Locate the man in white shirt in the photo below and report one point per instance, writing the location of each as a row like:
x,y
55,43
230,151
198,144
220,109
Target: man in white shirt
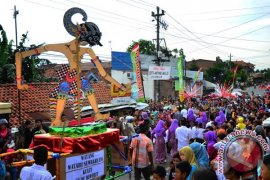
x,y
183,135
212,118
37,170
184,113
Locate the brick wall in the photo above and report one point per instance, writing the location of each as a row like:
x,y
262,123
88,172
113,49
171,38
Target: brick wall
x,y
37,99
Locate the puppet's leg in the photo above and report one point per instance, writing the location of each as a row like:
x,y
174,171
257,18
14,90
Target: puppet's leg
x,y
61,102
89,92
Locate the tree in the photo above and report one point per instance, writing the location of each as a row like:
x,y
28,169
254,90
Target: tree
x,y
7,69
149,48
33,66
146,47
223,72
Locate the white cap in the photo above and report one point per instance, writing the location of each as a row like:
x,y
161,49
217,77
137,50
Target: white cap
x,y
266,123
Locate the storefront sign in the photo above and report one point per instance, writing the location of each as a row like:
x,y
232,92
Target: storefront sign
x,y
159,72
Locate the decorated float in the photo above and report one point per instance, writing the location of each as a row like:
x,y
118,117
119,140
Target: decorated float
x,y
83,148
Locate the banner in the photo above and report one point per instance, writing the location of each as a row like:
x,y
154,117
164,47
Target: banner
x,y
180,75
117,92
159,73
135,59
234,75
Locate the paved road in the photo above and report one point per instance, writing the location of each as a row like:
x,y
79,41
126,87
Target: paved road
x,y
166,165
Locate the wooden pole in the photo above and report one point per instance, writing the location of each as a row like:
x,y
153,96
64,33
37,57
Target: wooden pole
x,y
78,78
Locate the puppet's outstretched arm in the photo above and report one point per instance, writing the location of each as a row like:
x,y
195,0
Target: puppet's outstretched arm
x,y
101,70
20,55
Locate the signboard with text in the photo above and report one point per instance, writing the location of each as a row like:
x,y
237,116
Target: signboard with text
x,y
83,166
159,72
117,92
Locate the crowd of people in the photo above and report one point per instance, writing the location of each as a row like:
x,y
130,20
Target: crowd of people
x,y
12,139
188,135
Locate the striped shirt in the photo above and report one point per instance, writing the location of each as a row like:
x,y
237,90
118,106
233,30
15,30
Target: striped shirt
x,y
141,145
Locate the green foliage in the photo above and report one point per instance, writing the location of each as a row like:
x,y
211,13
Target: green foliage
x,y
146,47
7,73
223,71
5,47
32,67
267,75
149,48
7,68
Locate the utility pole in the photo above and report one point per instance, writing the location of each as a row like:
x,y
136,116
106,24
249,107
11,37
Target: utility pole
x,y
15,13
157,17
230,60
15,17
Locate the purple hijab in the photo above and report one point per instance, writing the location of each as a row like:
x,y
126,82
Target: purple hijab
x,y
204,118
173,126
220,119
211,138
159,129
145,115
190,115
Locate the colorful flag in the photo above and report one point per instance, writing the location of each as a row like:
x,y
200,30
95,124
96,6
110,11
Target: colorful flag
x,y
234,74
181,80
197,75
135,59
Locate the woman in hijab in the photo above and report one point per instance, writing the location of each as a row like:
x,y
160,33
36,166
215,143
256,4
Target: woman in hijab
x,y
5,135
202,119
171,137
200,154
159,133
187,154
211,139
220,119
191,117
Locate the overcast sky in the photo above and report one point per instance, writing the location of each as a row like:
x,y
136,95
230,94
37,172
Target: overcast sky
x,y
203,28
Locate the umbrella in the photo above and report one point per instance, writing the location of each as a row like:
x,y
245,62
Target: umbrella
x,y
237,90
237,93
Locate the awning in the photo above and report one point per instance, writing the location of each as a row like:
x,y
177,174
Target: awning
x,y
5,108
104,108
209,85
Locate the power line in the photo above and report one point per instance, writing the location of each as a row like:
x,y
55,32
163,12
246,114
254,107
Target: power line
x,y
191,32
129,4
148,4
247,49
223,29
100,11
229,39
238,39
226,17
226,10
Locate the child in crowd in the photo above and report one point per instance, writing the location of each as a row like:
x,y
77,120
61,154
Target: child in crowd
x,y
187,154
159,173
204,173
176,160
182,170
